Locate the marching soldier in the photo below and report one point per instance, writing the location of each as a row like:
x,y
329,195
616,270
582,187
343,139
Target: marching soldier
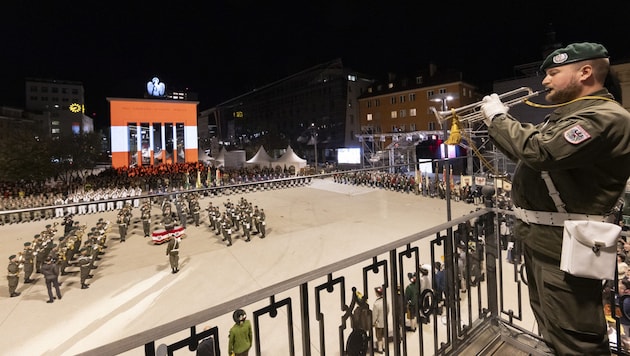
x,y
226,228
29,262
172,251
196,210
247,226
62,256
145,216
84,262
12,276
122,225
261,223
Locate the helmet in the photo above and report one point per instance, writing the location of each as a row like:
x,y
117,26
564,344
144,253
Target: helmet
x,y
239,315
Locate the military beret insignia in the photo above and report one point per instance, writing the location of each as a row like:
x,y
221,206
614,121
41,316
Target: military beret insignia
x,y
576,134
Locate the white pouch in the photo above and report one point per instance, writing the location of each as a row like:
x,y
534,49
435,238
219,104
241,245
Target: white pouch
x,y
589,249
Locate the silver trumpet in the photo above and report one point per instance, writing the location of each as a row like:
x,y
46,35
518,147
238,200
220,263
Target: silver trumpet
x,y
472,113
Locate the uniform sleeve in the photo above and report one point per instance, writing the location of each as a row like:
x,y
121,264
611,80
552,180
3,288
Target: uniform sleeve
x,y
567,143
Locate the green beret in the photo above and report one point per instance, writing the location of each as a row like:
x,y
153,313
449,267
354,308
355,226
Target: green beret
x,y
27,244
572,53
12,257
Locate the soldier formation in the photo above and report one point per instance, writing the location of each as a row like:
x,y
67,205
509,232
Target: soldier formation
x,y
242,217
65,249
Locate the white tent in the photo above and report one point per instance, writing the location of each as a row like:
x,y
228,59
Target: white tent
x,y
261,158
288,159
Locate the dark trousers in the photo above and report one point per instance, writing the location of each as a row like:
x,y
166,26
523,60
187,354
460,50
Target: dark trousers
x,y
569,310
50,283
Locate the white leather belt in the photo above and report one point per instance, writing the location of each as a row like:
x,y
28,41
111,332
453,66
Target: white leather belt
x,y
555,218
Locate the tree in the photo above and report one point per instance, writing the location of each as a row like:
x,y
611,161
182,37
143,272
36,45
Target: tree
x,y
75,156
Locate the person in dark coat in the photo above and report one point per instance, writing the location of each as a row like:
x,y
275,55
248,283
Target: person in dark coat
x,y
50,270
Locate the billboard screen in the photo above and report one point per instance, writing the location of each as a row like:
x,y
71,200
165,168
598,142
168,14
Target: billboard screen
x,y
349,156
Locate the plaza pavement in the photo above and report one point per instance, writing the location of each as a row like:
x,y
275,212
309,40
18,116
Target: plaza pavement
x,y
133,287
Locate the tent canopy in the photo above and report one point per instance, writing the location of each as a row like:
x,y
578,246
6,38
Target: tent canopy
x,y
289,158
261,158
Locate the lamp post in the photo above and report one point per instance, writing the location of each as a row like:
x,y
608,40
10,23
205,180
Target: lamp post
x,y
313,130
447,168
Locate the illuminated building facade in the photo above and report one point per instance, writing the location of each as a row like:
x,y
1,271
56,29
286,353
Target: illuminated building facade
x,y
152,131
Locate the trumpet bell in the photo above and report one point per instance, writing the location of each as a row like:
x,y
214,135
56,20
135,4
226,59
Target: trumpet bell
x,y
456,136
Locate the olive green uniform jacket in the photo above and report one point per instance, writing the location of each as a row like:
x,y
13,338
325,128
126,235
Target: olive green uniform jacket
x,y
585,147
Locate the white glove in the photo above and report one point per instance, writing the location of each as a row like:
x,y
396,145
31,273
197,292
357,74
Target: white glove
x,y
491,107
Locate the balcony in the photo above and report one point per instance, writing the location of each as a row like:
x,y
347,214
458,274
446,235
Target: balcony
x,y
485,310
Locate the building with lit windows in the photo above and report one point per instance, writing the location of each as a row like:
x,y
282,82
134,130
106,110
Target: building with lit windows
x,y
58,106
396,118
315,111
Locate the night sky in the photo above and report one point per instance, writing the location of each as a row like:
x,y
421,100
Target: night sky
x,y
224,49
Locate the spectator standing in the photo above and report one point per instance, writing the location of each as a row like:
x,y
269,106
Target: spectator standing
x,y
412,293
378,320
241,335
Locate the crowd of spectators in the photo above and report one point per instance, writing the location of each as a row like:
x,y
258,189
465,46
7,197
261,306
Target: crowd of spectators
x,y
116,183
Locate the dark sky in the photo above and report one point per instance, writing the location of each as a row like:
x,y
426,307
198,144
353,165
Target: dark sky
x,y
226,48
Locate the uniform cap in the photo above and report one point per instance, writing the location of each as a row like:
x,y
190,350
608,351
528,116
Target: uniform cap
x,y
572,53
26,244
12,257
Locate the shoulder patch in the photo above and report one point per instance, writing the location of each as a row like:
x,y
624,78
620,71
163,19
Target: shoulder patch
x,y
576,134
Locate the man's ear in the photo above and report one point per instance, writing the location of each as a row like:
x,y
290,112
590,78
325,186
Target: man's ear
x,y
585,72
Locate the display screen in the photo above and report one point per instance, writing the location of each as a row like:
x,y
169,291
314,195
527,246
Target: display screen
x,y
349,156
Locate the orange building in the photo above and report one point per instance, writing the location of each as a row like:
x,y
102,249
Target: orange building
x,y
153,131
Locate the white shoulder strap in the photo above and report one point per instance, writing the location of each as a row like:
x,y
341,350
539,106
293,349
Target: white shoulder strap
x,y
553,192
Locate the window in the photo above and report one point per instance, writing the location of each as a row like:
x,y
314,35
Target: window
x,y
412,127
402,99
369,117
430,94
442,90
33,89
54,90
419,80
431,126
394,114
412,97
44,90
75,91
412,112
402,113
377,102
369,104
392,100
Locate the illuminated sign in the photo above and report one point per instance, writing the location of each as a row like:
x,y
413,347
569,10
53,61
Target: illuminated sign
x,y
74,107
238,114
155,87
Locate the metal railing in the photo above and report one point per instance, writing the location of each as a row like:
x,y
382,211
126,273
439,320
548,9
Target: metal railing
x,y
318,312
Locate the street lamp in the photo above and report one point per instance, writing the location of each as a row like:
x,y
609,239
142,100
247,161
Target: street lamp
x,y
313,130
447,168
